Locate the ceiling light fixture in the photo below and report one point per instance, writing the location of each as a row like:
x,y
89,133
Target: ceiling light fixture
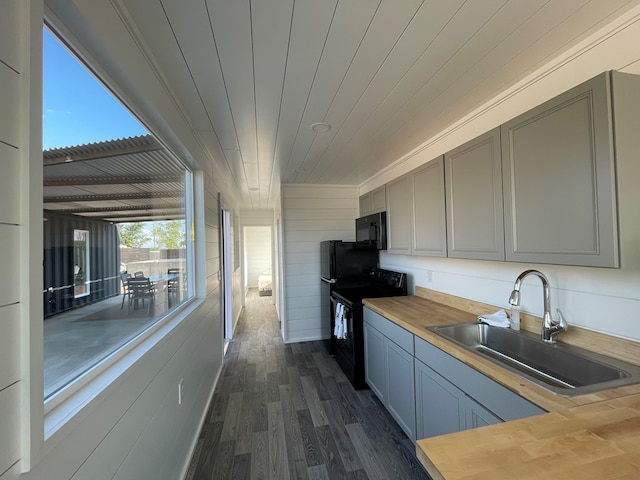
x,y
320,127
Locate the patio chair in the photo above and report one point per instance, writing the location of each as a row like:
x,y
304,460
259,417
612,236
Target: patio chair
x,y
124,280
140,288
173,286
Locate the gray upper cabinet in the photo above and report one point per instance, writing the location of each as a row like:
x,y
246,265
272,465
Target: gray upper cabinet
x,y
559,180
473,176
365,206
379,199
428,212
373,202
399,216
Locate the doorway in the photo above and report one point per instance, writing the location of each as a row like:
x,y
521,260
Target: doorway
x,y
258,271
226,276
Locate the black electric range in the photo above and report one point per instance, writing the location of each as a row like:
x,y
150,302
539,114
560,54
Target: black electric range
x,y
347,331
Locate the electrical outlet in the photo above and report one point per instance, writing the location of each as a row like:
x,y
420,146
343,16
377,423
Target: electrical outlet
x,y
429,276
180,391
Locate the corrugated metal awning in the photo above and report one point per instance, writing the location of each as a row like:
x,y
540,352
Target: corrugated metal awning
x,y
125,180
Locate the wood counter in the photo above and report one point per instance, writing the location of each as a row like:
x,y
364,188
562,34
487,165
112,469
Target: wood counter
x,y
584,436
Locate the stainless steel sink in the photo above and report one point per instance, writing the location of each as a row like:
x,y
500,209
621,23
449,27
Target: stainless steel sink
x,y
561,368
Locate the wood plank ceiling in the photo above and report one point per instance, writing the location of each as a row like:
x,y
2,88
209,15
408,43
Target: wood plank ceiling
x,y
252,76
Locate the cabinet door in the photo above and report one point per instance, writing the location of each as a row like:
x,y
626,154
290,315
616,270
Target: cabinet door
x,y
379,199
428,211
559,186
477,415
399,216
374,370
474,199
440,406
365,204
399,376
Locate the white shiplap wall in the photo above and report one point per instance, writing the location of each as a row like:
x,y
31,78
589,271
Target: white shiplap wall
x,y
14,150
311,214
264,220
257,256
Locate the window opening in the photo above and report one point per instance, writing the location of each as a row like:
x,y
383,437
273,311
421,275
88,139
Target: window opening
x,y
116,205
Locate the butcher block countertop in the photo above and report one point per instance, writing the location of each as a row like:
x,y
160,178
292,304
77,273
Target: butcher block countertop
x,y
594,436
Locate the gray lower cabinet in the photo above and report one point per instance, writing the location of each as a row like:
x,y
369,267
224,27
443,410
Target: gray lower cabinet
x,y
443,408
440,405
427,391
389,370
477,415
451,396
374,369
400,387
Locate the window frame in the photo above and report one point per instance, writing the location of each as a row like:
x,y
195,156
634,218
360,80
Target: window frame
x,y
45,424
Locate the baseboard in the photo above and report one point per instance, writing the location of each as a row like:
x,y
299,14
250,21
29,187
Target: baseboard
x,y
314,338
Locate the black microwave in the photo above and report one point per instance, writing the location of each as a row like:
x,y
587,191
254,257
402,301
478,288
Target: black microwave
x,y
371,231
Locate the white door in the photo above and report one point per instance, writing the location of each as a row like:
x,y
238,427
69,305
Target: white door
x,y
227,271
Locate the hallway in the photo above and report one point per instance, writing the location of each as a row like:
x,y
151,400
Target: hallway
x,y
287,412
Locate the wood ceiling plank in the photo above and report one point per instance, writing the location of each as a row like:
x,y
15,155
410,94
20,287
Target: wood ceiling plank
x,y
192,29
538,26
387,26
234,160
271,24
440,76
219,170
470,18
345,36
551,30
383,97
153,25
425,26
458,86
231,23
251,172
311,23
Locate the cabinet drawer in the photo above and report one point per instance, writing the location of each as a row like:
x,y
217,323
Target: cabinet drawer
x,y
393,332
500,400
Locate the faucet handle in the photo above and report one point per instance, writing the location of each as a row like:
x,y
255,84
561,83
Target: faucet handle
x,y
562,322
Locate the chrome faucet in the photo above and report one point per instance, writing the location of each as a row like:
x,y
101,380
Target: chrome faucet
x,y
550,328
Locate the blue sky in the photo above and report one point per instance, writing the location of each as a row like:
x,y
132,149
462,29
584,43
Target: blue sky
x,y
77,109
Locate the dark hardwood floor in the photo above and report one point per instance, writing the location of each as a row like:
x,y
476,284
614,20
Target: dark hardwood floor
x,y
288,412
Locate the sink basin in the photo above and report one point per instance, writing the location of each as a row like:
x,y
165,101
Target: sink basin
x,y
560,368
